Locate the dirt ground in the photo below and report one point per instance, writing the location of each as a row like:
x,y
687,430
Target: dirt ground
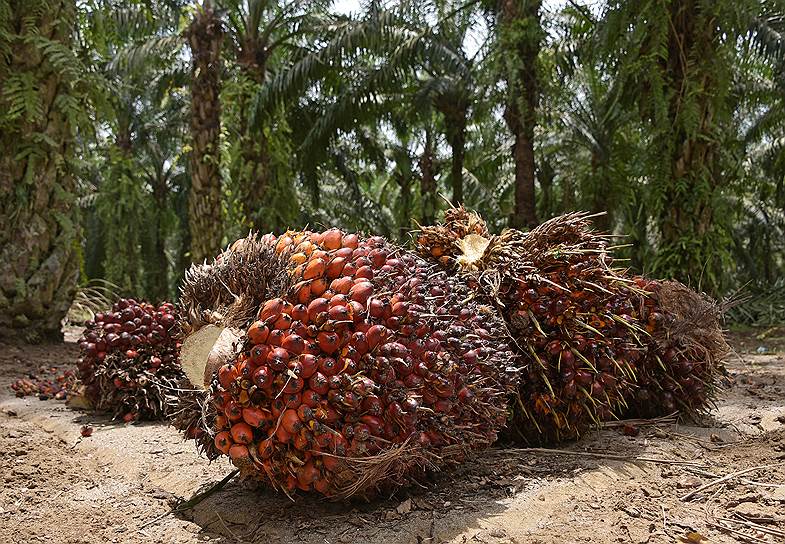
x,y
118,484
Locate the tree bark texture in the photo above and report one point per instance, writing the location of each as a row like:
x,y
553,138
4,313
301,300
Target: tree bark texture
x,y
39,234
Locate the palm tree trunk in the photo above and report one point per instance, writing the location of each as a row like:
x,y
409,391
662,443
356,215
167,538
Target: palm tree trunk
x,y
522,98
204,201
458,146
39,237
427,182
688,216
254,164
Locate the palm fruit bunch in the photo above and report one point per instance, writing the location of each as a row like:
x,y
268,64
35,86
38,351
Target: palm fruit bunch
x,y
373,368
582,326
47,383
128,362
686,347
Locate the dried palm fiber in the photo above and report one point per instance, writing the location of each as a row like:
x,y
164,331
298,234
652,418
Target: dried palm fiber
x,y
128,362
373,369
595,344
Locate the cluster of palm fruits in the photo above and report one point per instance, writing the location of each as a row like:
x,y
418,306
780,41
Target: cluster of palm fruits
x,y
128,362
595,343
685,347
48,383
373,368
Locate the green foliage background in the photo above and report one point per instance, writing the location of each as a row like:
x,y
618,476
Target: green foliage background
x,y
668,115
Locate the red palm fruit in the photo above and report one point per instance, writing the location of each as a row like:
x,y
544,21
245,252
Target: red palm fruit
x,y
301,441
226,375
362,432
259,354
242,433
290,422
400,309
283,243
326,414
338,299
311,398
277,359
360,343
378,258
254,416
292,400
293,344
276,337
300,312
372,405
258,332
365,272
349,269
265,448
335,268
302,291
330,462
341,285
332,239
361,292
376,308
345,252
262,377
375,335
328,366
283,322
305,413
309,364
317,306
298,258
221,422
233,411
293,385
314,269
328,342
318,287
319,384
322,486
272,307
356,311
339,313
282,435
374,424
223,441
350,241
239,455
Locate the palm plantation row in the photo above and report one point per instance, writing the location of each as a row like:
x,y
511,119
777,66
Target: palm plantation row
x,y
140,136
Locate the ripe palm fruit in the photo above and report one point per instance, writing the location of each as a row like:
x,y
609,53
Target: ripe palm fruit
x,y
364,388
581,326
129,361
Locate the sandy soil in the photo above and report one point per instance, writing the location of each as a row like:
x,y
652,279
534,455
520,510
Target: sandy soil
x,y
118,484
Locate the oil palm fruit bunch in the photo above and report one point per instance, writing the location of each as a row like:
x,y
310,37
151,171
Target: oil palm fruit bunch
x,y
683,363
128,362
373,368
582,327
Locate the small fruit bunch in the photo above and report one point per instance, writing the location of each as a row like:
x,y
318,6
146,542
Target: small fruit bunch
x,y
129,360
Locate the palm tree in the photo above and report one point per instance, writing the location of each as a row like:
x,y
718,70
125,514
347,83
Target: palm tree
x,y
520,36
205,39
42,104
261,35
676,58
